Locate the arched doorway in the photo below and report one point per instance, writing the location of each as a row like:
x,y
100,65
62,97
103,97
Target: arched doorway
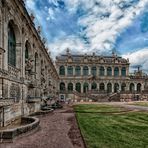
x,y
109,87
94,86
138,87
62,86
102,87
123,87
78,87
116,87
85,87
70,87
132,87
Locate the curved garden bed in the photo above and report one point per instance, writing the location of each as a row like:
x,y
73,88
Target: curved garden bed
x,y
27,124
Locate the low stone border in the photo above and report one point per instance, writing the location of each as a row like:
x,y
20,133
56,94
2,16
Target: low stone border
x,y
9,134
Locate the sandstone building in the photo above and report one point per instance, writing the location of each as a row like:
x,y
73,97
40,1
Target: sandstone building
x,y
98,75
27,73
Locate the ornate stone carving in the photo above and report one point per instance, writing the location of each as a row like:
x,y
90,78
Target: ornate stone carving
x,y
29,65
15,91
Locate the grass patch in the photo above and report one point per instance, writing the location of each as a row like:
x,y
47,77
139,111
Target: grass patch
x,y
140,104
95,108
129,130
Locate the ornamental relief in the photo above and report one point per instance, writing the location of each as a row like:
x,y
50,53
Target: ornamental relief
x,y
15,92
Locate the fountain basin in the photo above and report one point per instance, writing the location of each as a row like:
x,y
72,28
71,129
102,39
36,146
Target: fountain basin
x,y
7,134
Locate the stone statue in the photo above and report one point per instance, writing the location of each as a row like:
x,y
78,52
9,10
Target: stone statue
x,y
29,65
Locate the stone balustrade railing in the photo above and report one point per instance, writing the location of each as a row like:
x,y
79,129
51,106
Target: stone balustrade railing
x,y
3,72
13,71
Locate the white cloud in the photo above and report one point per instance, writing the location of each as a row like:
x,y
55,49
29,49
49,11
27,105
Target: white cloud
x,y
104,20
139,57
59,45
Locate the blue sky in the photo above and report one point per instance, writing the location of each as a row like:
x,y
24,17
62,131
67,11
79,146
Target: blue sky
x,y
99,26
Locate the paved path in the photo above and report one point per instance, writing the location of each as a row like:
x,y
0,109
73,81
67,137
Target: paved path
x,y
56,131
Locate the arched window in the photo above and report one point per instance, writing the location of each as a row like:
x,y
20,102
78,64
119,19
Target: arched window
x,y
123,86
85,70
94,71
109,87
85,87
78,87
70,70
94,86
116,71
62,86
132,87
116,87
78,71
138,87
11,46
109,71
70,87
62,70
123,71
102,87
102,71
26,51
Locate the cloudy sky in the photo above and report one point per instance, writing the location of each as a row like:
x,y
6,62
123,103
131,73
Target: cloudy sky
x,y
99,26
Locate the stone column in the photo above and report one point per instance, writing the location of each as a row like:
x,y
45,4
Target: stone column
x,y
127,86
119,71
142,86
66,70
89,70
74,70
81,70
81,87
119,86
112,71
89,86
105,71
105,86
112,87
97,71
127,71
135,87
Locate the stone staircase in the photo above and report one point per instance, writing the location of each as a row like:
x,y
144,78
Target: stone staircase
x,y
99,97
115,97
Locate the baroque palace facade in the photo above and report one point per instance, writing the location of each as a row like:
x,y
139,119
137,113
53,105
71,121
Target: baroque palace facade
x,y
98,75
27,72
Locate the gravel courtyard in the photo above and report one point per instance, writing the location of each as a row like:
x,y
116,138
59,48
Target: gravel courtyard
x,y
57,130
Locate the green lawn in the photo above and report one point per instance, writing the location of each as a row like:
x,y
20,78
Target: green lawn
x,y
140,104
103,130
